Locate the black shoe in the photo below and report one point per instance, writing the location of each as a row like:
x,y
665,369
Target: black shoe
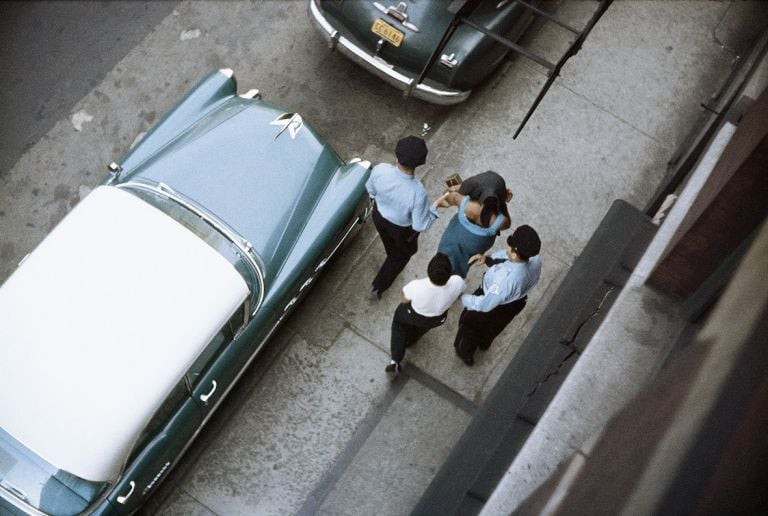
x,y
394,368
468,360
375,294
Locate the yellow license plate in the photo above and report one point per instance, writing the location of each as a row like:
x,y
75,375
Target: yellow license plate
x,y
388,32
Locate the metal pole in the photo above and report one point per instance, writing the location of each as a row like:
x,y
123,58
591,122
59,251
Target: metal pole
x,y
572,50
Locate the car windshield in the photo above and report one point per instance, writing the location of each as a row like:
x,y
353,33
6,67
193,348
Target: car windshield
x,y
204,231
27,477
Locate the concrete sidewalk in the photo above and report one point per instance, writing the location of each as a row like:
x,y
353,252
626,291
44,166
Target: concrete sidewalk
x,y
315,427
605,131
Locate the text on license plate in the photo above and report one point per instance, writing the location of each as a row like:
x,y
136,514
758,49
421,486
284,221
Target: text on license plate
x,y
387,32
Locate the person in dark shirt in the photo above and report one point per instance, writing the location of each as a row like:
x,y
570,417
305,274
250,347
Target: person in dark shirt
x,y
490,189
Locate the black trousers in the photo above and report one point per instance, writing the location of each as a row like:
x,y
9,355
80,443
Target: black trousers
x,y
408,326
400,243
478,329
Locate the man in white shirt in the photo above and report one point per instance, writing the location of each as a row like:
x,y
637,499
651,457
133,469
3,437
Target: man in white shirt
x,y
424,306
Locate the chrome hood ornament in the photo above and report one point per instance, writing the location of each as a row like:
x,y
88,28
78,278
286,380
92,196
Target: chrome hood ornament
x,y
290,121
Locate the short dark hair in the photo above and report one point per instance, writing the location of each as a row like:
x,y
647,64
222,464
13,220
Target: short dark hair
x,y
439,269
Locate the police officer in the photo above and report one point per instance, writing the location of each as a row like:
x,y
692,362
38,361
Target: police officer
x,y
402,208
511,275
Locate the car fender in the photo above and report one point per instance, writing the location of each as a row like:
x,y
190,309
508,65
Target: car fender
x,y
340,206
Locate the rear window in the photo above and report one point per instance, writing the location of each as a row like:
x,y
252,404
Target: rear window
x,y
27,477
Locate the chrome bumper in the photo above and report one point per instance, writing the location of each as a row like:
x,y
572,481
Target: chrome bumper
x,y
381,68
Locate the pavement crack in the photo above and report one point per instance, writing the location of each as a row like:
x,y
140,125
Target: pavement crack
x,y
594,312
552,373
569,344
716,39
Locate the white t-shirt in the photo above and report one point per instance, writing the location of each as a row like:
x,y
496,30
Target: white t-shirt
x,y
431,300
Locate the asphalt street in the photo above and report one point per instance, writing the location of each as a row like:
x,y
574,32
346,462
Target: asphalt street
x,y
315,427
54,53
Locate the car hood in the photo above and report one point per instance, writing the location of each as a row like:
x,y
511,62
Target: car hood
x,y
237,164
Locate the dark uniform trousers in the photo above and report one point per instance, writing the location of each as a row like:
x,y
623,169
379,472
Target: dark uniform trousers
x,y
478,329
408,326
400,243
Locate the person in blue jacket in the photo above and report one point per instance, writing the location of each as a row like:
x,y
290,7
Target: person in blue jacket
x,y
511,275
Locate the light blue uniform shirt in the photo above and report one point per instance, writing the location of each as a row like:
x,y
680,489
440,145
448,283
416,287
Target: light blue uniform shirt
x,y
504,282
400,197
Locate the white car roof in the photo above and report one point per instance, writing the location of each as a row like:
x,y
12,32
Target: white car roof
x,y
99,323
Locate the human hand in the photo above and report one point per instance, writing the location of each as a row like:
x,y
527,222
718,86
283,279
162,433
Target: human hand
x,y
476,259
442,201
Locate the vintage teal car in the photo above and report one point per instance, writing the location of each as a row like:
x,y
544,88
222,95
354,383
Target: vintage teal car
x,y
412,44
123,330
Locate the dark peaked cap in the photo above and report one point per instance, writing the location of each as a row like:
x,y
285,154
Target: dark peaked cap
x,y
526,241
411,151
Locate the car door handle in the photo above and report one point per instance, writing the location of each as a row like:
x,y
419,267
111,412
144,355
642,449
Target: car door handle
x,y
205,397
123,499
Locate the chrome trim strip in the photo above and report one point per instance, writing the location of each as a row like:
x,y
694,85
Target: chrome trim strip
x,y
18,503
242,244
343,239
381,68
314,9
380,7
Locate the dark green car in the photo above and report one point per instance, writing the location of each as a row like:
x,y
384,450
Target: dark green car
x,y
124,329
411,44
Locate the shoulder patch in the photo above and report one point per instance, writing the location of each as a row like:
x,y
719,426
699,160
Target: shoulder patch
x,y
494,289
